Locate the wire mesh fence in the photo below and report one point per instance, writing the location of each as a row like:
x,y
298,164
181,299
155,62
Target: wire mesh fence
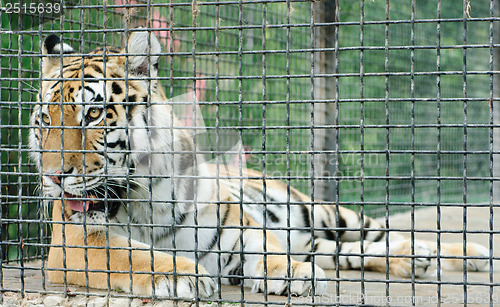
x,y
235,134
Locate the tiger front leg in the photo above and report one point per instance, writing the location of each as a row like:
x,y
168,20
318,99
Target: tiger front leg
x,y
86,262
144,278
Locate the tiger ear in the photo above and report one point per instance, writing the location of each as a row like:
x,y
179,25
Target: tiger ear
x,y
53,45
144,48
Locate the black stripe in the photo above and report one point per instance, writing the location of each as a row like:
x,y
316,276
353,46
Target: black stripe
x,y
116,88
121,143
343,225
72,63
308,243
313,250
98,98
349,265
366,225
92,79
69,68
329,234
161,233
305,216
97,68
231,255
113,50
209,247
54,85
237,271
131,98
379,237
88,88
272,216
180,219
95,57
224,218
348,262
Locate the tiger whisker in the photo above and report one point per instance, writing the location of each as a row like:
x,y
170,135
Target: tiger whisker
x,y
125,186
104,194
139,185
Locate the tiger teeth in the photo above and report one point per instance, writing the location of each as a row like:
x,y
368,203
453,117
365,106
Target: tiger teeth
x,y
93,201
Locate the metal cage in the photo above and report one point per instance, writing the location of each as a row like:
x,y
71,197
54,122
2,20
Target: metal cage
x,y
388,108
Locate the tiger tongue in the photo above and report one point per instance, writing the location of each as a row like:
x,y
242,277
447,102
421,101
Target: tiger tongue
x,y
77,205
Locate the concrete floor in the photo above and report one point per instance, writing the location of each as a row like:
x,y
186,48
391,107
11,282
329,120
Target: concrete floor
x,y
482,287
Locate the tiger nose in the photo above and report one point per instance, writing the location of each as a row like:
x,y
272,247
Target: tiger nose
x,y
55,177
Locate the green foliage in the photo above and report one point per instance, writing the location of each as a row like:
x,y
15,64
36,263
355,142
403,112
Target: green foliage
x,y
424,109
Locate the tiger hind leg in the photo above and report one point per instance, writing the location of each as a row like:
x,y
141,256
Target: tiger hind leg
x,y
453,253
452,256
395,257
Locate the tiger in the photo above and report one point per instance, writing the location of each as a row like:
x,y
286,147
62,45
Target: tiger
x,y
136,208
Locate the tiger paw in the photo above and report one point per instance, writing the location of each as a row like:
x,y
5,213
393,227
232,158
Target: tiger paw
x,y
403,267
474,250
301,283
185,285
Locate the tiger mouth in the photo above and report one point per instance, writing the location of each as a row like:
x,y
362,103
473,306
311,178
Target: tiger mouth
x,y
79,205
83,204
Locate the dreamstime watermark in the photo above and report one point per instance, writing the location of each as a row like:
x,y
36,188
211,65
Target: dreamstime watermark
x,y
350,298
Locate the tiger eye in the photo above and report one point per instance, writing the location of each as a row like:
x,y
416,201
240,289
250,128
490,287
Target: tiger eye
x,y
46,118
94,113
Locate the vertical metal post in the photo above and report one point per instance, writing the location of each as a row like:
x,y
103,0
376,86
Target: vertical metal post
x,y
325,163
496,107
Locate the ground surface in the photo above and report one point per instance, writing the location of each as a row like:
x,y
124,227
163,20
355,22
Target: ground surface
x,y
483,288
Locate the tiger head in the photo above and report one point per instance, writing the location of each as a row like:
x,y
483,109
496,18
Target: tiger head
x,y
92,114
